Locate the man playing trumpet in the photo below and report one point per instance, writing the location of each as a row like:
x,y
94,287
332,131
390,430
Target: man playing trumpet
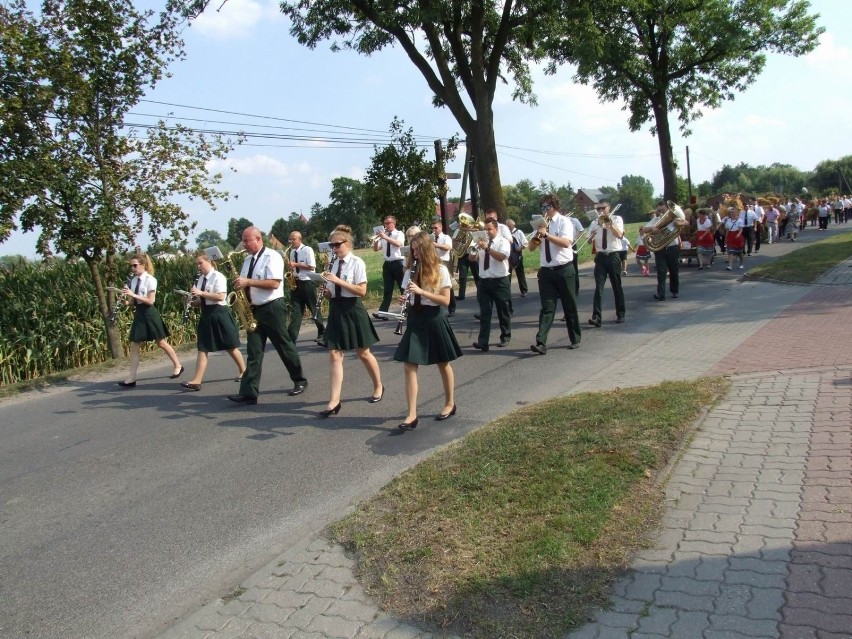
x,y
607,232
555,240
390,242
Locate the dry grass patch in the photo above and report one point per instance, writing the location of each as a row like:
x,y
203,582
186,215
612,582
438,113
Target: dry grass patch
x,y
518,530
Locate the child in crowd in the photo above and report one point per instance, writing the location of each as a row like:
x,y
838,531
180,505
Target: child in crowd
x,y
642,254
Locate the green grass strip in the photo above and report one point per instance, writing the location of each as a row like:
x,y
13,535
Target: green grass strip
x,y
809,262
519,529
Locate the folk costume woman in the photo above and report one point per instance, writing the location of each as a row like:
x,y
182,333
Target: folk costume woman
x,y
147,324
428,337
217,329
734,238
348,327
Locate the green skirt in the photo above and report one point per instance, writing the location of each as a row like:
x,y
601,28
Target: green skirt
x,y
217,330
349,327
428,338
147,325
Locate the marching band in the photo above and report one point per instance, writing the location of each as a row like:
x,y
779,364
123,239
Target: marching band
x,y
422,271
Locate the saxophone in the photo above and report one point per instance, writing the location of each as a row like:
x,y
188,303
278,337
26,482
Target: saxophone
x,y
289,277
237,298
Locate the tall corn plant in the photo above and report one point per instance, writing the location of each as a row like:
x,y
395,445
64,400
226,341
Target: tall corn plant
x,y
51,320
68,76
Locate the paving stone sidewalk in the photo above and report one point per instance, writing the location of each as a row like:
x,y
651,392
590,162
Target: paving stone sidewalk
x,y
757,538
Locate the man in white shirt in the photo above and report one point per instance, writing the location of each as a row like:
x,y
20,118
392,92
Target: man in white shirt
x,y
748,218
304,296
443,247
493,289
555,243
608,246
262,277
390,242
667,258
516,257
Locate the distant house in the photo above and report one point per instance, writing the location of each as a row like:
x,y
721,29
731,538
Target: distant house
x,y
453,209
585,199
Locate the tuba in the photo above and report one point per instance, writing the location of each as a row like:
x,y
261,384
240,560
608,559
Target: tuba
x,y
462,237
659,237
237,298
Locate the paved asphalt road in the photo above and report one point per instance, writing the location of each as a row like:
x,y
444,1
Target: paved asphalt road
x,y
123,510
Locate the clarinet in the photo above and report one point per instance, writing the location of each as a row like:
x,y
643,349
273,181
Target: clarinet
x,y
190,298
403,311
321,289
119,301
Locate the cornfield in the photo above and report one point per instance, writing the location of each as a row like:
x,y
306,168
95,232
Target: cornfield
x,y
50,319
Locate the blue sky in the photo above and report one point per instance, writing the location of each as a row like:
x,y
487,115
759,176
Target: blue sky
x,y
242,59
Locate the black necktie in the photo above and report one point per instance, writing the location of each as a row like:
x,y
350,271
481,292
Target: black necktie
x,y
338,290
254,259
547,256
487,261
387,248
603,241
296,259
136,291
203,287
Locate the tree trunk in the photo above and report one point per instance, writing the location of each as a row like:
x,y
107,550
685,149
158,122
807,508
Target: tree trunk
x,y
113,338
487,166
664,139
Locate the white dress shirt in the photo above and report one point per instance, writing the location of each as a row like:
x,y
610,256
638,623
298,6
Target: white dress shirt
x,y
305,255
268,266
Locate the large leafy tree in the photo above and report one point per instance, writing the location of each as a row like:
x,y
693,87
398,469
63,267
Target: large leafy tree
x,y
347,205
667,57
72,171
636,196
401,180
462,49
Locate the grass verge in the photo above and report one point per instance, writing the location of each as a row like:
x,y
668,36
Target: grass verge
x,y
519,529
809,262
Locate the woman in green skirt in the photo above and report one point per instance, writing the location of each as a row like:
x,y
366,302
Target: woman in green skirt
x,y
147,324
217,329
428,337
348,327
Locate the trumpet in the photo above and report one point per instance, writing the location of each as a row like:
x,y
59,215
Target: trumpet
x,y
377,236
534,239
119,300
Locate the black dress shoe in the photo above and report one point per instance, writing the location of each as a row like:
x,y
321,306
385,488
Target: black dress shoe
x,y
573,346
539,348
658,298
176,375
503,343
675,295
451,313
243,399
444,416
481,347
619,319
127,384
298,389
191,386
330,411
409,425
476,316
375,399
379,317
595,321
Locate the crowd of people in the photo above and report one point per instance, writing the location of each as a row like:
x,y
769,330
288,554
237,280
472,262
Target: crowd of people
x,y
418,264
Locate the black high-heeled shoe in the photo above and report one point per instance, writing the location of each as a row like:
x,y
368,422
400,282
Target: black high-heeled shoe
x,y
377,399
330,411
444,416
409,425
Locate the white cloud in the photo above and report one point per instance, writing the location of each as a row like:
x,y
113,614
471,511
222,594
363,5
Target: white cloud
x,y
234,19
829,53
265,166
